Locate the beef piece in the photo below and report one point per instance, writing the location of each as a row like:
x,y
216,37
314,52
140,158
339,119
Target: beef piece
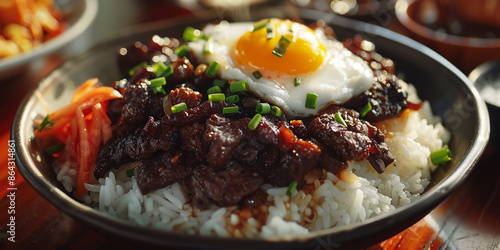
x,y
191,139
223,188
190,97
162,170
183,71
386,97
197,114
356,142
134,54
297,158
222,136
137,146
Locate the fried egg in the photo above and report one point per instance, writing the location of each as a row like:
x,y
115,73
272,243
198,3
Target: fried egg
x,y
323,65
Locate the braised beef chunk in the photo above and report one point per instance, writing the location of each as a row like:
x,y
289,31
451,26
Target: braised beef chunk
x,y
386,97
191,140
225,187
354,142
137,146
137,104
186,95
223,137
162,170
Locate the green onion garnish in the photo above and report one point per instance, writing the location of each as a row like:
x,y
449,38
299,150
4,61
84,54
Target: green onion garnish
x,y
441,156
281,47
297,81
160,81
130,172
208,48
270,33
179,107
191,34
54,149
291,188
168,71
263,108
257,74
367,108
232,99
276,111
212,69
159,89
238,86
217,97
213,90
260,26
339,119
220,83
159,68
230,110
311,99
44,123
182,51
252,125
132,70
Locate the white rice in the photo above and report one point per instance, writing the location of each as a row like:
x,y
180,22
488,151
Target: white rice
x,y
355,196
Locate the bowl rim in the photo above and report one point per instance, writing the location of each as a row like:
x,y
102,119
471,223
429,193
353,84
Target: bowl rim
x,y
401,10
100,221
83,21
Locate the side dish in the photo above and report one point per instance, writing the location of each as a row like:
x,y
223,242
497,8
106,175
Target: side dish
x,y
25,24
247,130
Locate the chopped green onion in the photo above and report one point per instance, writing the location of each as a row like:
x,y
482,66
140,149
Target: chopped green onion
x,y
208,48
270,33
291,188
252,125
212,69
339,119
232,99
220,83
44,123
263,108
230,110
182,51
214,89
159,89
132,70
54,149
179,107
276,111
281,47
130,172
191,34
367,108
238,86
168,71
440,156
311,99
217,97
297,81
260,26
160,81
257,74
159,68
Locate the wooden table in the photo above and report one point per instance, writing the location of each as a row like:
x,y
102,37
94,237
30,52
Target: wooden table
x,y
468,219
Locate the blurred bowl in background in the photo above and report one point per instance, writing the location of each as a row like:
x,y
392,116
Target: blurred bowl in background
x,y
467,33
486,79
77,17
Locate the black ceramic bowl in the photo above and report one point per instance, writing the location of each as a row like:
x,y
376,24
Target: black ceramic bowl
x,y
450,93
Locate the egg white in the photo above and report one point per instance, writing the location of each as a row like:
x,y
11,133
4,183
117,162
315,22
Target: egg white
x,y
341,76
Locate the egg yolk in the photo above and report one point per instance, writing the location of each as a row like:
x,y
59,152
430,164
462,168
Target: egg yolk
x,y
304,54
